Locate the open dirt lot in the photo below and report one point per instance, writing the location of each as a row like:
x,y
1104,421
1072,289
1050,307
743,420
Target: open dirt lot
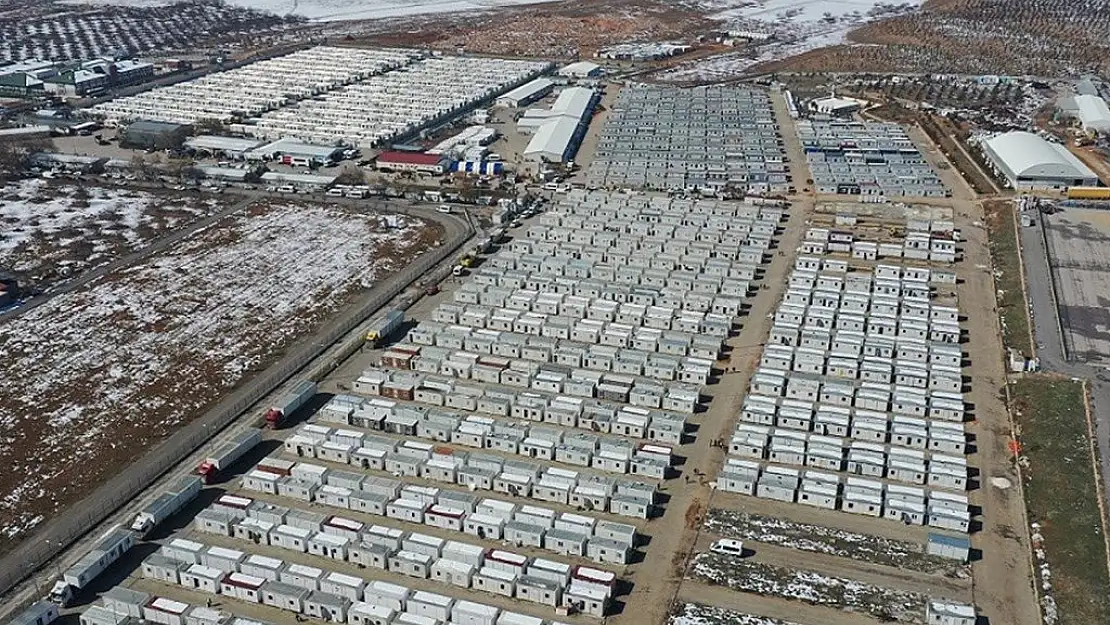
x,y
554,29
50,232
1078,241
95,376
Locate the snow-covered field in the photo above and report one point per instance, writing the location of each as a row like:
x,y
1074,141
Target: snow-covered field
x,y
810,587
94,377
798,26
697,614
49,232
334,10
827,540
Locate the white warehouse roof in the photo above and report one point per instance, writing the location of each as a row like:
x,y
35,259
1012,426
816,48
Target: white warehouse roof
x,y
1025,155
226,144
573,102
581,68
552,139
1092,112
528,89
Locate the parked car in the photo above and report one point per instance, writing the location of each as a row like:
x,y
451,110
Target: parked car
x,y
728,547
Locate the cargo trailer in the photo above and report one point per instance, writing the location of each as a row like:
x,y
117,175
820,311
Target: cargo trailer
x,y
113,544
289,403
227,454
381,328
183,491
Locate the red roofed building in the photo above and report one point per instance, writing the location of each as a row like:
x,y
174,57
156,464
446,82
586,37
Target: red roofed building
x,y
411,161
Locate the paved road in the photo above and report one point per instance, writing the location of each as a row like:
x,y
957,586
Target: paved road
x,y
1051,350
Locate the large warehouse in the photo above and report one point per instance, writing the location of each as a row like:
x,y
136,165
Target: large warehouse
x,y
1030,162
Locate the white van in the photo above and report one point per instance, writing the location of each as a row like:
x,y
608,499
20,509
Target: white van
x,y
288,188
335,192
728,547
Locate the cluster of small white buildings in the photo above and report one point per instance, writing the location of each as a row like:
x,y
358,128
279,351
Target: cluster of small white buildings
x,y
256,88
559,360
651,51
491,470
929,241
331,595
537,527
376,111
599,448
468,145
857,402
294,586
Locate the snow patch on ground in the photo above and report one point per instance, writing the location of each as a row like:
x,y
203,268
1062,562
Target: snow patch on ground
x,y
336,10
798,26
826,540
52,231
92,378
811,587
698,614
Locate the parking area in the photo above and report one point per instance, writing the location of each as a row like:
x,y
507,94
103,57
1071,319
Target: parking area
x,y
1076,247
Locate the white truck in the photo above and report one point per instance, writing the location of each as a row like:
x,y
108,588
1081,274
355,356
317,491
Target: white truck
x,y
113,544
227,454
167,504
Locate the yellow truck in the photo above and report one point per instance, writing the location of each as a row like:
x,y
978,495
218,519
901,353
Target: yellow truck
x,y
1089,193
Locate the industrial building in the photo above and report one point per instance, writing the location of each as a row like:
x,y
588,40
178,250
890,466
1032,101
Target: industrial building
x,y
556,141
527,93
573,103
866,159
1089,109
836,106
21,85
234,148
580,69
293,152
642,51
560,131
1030,162
425,163
98,75
704,138
153,135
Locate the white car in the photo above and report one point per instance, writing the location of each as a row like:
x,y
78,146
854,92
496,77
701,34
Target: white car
x,y
443,208
728,547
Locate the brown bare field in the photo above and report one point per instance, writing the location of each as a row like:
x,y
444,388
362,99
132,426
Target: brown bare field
x,y
97,376
557,30
1015,37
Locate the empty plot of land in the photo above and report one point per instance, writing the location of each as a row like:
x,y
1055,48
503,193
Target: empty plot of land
x,y
809,587
49,232
826,540
95,377
698,614
1078,248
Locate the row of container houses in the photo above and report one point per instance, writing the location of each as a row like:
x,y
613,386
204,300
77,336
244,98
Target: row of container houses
x,y
464,565
861,375
489,469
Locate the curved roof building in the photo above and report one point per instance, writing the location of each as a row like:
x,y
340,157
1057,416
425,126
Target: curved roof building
x,y
1030,162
